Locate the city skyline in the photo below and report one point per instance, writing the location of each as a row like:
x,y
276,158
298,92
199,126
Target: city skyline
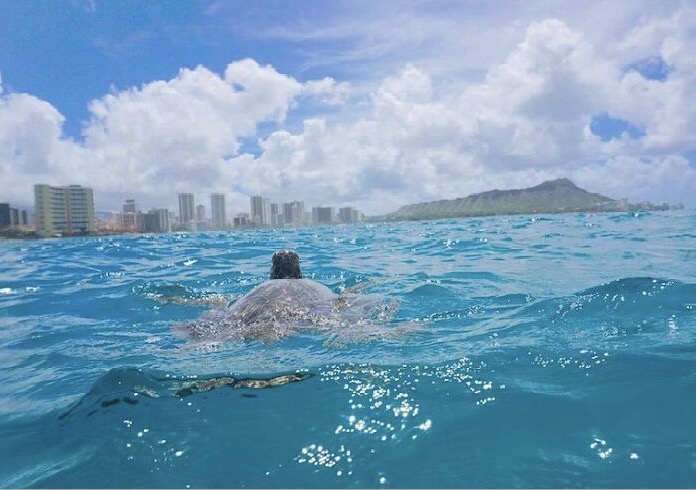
x,y
150,204
70,210
262,213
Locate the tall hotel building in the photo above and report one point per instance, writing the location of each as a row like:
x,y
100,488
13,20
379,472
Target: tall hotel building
x,y
186,208
64,210
260,210
217,210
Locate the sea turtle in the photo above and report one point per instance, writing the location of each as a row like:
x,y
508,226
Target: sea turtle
x,y
285,304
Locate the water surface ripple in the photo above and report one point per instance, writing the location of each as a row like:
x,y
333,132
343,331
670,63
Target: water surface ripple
x,y
525,351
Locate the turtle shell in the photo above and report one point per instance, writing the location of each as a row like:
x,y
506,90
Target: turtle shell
x,y
283,299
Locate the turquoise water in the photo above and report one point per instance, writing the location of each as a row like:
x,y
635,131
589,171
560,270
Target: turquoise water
x,y
546,351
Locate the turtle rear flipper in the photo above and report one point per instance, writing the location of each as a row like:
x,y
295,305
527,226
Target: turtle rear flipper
x,y
187,388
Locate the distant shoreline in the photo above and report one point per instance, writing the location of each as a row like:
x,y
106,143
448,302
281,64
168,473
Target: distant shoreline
x,y
12,235
628,209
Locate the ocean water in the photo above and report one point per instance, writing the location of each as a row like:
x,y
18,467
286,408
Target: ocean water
x,y
524,351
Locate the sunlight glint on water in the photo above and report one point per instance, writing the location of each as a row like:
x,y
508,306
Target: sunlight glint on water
x,y
545,351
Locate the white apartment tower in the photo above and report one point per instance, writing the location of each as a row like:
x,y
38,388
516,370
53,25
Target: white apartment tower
x,y
186,208
64,210
163,218
217,209
260,210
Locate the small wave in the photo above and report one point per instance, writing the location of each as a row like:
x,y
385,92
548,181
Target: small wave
x,y
629,216
631,314
472,275
635,295
429,290
176,293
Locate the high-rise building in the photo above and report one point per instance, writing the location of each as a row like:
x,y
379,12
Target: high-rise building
x,y
156,221
349,215
5,219
217,210
64,210
200,212
23,218
323,215
129,206
260,210
241,220
294,212
129,219
344,215
151,222
186,208
164,221
277,216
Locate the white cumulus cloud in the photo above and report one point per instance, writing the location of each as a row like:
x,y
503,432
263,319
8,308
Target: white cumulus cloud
x,y
411,135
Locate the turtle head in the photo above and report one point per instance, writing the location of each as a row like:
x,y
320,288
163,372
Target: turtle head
x,y
286,265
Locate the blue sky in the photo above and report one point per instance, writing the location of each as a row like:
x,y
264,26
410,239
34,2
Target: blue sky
x,y
367,103
69,53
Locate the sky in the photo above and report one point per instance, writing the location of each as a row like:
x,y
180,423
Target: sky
x,y
365,103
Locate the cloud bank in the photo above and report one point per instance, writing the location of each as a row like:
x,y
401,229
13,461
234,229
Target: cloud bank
x,y
413,135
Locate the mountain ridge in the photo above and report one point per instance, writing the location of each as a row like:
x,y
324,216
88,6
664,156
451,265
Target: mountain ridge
x,y
551,196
